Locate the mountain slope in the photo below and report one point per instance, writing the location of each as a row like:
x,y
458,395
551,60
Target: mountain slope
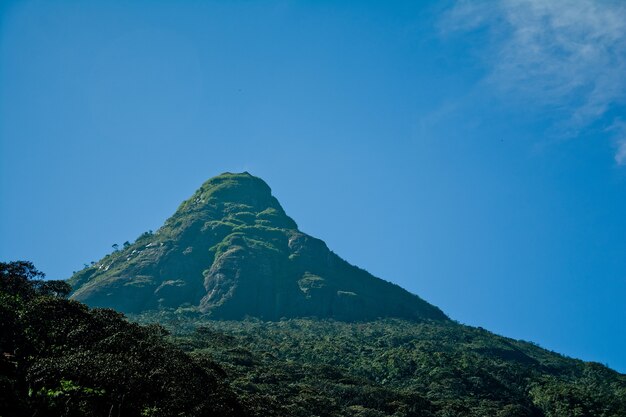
x,y
231,251
394,368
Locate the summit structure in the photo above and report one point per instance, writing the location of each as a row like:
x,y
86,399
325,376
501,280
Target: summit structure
x,y
231,251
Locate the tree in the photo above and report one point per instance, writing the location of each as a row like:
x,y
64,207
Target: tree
x,y
58,358
16,278
54,288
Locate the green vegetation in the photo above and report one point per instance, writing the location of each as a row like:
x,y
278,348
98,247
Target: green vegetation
x,y
230,251
394,367
59,358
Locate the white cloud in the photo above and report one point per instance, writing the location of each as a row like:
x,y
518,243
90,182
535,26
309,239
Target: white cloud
x,y
564,56
618,129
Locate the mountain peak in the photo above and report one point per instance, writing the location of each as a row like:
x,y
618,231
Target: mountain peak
x,y
236,196
230,251
236,180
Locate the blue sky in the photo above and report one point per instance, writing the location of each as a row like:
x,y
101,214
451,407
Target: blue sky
x,y
472,152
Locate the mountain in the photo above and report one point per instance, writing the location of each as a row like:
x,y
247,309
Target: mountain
x,y
231,251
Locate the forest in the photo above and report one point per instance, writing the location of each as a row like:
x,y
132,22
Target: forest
x,y
61,358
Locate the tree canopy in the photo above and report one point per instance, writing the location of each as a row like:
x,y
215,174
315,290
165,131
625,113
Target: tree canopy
x,y
60,358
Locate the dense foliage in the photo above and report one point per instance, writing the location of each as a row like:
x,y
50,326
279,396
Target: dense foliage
x,y
395,368
59,358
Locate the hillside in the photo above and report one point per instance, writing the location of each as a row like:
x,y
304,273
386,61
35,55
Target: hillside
x,y
231,251
60,358
395,367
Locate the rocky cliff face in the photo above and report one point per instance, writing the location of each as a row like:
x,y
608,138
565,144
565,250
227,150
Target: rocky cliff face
x,y
231,251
